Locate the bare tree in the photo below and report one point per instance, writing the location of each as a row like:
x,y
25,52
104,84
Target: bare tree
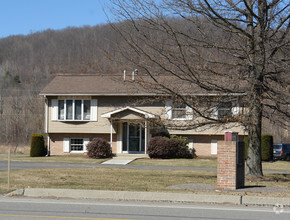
x,y
233,48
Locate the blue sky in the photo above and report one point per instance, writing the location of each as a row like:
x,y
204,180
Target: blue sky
x,y
29,16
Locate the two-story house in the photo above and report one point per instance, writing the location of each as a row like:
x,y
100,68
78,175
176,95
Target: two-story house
x,y
79,108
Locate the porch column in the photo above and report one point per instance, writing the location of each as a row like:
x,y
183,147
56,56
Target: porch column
x,y
111,134
145,136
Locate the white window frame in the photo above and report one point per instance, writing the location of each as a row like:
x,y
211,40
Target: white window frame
x,y
67,145
71,145
182,109
224,108
169,108
73,110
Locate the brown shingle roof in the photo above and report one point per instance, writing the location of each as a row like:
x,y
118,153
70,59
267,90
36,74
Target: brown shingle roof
x,y
89,85
115,85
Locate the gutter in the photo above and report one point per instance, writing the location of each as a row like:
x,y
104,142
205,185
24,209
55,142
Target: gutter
x,y
46,126
141,94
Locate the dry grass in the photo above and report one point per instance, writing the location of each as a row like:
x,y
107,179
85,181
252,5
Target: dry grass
x,y
22,150
277,165
126,179
55,159
104,179
206,163
273,180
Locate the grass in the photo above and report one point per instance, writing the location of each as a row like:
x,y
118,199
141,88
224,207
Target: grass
x,y
103,179
121,179
277,165
206,163
55,159
129,179
198,162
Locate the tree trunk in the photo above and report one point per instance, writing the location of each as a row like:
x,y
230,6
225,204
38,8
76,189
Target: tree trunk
x,y
254,160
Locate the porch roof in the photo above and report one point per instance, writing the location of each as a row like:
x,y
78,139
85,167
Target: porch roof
x,y
135,110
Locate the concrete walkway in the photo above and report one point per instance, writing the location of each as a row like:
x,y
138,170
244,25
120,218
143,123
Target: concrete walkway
x,y
152,196
124,159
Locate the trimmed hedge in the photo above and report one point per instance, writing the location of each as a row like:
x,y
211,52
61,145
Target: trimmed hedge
x,y
168,148
99,148
266,147
37,146
246,146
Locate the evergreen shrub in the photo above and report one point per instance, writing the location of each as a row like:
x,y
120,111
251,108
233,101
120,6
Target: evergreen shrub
x,y
99,148
167,148
266,147
246,146
37,147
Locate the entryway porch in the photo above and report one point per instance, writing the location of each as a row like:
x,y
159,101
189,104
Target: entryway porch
x,y
132,129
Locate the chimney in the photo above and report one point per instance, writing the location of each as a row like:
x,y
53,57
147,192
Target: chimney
x,y
133,74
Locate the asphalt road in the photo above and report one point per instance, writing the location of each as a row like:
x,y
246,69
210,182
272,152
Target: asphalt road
x,y
43,209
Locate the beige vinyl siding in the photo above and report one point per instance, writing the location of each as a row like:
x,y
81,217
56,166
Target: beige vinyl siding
x,y
108,104
210,130
99,125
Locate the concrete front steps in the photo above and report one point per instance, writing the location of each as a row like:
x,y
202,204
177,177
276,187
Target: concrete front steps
x,y
124,159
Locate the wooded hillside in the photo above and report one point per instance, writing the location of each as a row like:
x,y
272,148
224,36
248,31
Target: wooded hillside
x,y
28,63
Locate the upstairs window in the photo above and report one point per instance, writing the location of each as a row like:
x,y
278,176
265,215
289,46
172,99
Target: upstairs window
x,y
179,111
224,111
74,109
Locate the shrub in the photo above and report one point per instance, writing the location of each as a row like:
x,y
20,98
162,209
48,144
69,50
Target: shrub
x,y
165,148
37,147
266,147
184,151
246,146
155,147
162,133
99,148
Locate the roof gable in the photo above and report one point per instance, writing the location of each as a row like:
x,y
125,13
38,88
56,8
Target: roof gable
x,y
129,109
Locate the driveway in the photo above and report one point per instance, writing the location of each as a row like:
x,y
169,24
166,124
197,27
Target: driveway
x,y
17,165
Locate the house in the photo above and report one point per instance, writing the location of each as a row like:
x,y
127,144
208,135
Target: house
x,y
79,108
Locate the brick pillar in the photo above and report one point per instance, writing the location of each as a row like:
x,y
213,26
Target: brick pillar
x,y
226,165
230,169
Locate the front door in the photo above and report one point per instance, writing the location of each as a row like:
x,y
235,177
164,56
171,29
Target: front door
x,y
133,138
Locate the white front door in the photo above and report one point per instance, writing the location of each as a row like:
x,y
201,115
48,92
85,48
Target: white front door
x,y
133,138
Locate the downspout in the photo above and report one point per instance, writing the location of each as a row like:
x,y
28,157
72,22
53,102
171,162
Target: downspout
x,y
46,126
111,134
145,137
